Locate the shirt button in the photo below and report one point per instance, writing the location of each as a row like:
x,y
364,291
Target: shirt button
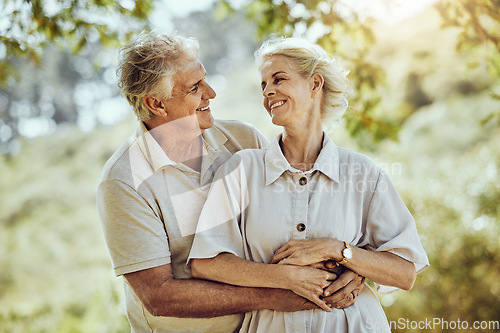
x,y
303,181
301,227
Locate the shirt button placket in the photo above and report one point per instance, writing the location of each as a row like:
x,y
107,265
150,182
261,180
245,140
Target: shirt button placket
x,y
301,205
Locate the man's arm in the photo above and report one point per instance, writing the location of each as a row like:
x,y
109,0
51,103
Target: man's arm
x,y
163,295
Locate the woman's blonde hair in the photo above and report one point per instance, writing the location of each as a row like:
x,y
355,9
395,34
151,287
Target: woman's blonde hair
x,y
309,59
148,64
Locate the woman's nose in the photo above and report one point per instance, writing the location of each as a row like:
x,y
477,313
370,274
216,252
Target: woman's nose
x,y
268,91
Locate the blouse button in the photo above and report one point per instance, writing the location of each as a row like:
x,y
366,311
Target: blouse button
x,y
301,227
303,181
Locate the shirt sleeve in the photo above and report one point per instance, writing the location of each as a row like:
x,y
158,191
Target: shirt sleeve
x,y
390,227
134,234
218,228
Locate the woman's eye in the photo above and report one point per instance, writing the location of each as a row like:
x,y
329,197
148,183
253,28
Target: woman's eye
x,y
278,80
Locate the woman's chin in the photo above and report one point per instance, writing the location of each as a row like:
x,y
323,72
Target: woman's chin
x,y
277,120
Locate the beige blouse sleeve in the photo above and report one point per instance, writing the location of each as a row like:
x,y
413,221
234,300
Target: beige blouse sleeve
x,y
218,228
391,227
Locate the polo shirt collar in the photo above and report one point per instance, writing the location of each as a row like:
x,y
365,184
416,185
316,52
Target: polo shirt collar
x,y
151,149
327,162
213,139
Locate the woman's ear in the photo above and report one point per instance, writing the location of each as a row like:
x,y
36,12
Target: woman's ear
x,y
317,83
155,105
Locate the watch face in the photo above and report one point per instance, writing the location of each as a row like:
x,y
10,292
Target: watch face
x,y
347,253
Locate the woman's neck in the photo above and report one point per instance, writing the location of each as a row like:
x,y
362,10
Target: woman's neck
x,y
301,147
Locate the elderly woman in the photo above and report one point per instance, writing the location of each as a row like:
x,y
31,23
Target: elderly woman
x,y
304,201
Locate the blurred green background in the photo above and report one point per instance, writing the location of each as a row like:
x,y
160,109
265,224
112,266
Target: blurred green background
x,y
425,104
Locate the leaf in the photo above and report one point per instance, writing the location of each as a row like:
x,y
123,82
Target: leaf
x,y
223,9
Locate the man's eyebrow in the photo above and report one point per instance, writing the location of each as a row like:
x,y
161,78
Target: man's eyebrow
x,y
190,87
196,84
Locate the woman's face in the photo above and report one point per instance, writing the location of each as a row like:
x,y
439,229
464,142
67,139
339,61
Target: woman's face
x,y
288,95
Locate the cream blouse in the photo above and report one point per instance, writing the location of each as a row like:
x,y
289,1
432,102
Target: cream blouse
x,y
258,202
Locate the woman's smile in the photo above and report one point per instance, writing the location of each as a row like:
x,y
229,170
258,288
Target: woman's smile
x,y
276,105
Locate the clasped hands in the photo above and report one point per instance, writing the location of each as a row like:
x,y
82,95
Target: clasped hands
x,y
312,273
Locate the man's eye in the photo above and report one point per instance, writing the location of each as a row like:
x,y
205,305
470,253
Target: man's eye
x,y
278,80
195,89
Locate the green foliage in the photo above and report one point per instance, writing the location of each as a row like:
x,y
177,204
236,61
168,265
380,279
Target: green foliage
x,y
478,20
451,187
223,10
34,25
345,36
56,275
350,38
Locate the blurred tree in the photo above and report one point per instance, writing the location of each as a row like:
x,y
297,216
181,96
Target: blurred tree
x,y
479,21
30,26
343,32
53,60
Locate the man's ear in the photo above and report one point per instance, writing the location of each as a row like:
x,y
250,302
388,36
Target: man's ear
x,y
317,81
156,106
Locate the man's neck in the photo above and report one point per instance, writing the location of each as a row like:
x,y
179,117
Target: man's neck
x,y
181,140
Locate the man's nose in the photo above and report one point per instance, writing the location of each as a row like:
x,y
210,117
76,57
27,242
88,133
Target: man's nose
x,y
208,93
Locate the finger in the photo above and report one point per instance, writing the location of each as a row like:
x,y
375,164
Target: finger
x,y
342,281
297,261
284,247
307,305
330,264
289,261
339,304
318,265
331,276
347,301
319,302
344,296
350,299
278,256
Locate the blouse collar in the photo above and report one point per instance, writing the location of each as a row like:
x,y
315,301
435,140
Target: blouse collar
x,y
327,162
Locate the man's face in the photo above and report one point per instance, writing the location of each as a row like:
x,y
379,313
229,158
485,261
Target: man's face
x,y
191,95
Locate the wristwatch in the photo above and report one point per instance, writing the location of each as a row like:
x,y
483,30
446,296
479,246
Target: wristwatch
x,y
346,254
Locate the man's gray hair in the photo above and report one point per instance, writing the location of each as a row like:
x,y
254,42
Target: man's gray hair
x,y
148,64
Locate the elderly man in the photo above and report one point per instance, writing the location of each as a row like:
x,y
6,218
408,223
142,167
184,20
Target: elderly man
x,y
154,186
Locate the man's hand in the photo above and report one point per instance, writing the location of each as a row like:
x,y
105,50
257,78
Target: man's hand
x,y
343,292
288,301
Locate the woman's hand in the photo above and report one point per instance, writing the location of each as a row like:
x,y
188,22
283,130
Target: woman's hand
x,y
308,251
308,282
